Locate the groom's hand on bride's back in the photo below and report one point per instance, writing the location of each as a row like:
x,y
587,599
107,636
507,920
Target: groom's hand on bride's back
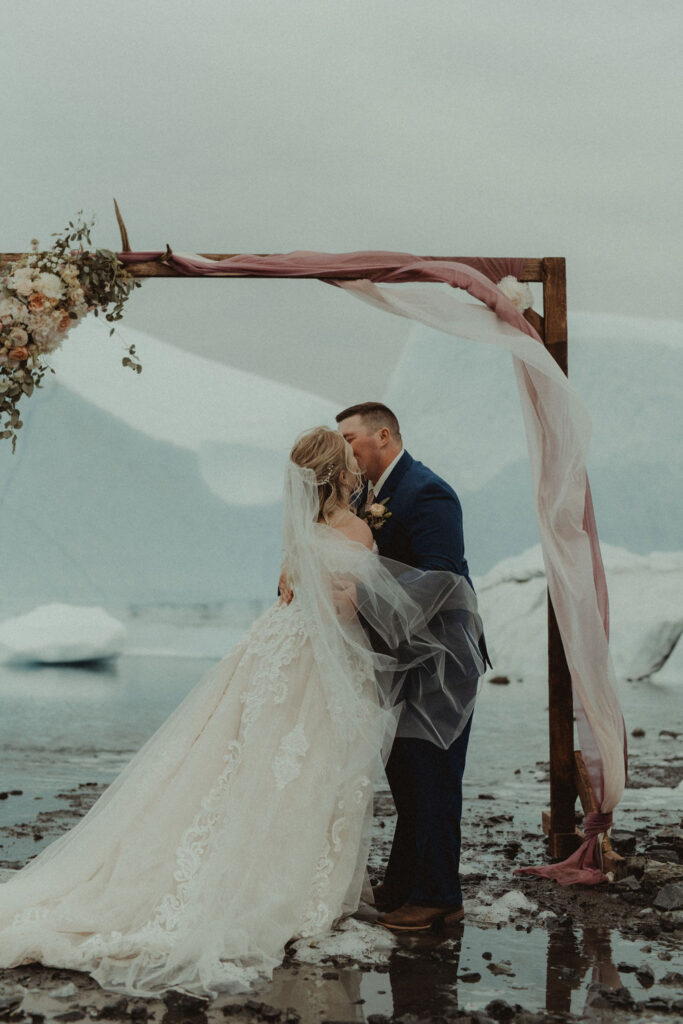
x,y
284,589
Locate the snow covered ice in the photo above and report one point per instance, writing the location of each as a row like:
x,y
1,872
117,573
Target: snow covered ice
x,y
61,633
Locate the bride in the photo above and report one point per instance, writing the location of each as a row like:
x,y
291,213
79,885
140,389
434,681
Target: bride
x,y
243,822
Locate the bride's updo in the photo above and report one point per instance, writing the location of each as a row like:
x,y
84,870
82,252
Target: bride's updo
x,y
330,457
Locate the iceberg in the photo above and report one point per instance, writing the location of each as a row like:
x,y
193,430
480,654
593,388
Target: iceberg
x,y
56,633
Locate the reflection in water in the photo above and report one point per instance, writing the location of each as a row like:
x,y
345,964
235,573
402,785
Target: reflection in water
x,y
569,961
420,979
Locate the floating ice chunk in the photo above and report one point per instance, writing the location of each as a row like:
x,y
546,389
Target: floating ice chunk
x,y
356,940
512,904
61,633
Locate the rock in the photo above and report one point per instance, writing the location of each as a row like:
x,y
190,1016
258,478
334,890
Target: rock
x,y
638,733
602,997
487,955
670,897
628,884
69,1015
378,1018
118,1010
499,1010
672,978
469,977
499,680
672,921
668,734
623,842
486,796
503,967
624,968
646,976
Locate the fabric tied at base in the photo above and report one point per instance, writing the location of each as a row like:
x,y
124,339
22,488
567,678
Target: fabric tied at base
x,y
584,866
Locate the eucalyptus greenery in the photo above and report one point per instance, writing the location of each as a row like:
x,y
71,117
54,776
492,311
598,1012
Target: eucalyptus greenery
x,y
42,295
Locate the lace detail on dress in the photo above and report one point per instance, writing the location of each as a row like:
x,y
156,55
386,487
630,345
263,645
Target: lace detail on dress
x,y
287,763
319,913
274,640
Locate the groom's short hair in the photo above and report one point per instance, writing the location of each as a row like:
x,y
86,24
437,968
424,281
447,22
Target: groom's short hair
x,y
374,416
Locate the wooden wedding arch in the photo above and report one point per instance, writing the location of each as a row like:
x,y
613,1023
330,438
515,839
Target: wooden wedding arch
x,y
568,777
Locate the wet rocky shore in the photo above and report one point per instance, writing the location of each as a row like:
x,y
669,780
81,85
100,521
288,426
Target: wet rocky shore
x,y
529,950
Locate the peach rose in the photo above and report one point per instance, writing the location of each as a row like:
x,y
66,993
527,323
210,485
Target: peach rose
x,y
20,354
36,301
65,323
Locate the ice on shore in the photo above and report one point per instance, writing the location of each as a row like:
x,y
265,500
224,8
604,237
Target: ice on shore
x,y
646,614
61,633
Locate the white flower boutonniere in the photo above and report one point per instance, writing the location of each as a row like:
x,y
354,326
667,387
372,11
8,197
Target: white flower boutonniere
x,y
377,514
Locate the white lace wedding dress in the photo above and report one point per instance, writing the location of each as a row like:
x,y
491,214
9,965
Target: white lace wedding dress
x,y
242,823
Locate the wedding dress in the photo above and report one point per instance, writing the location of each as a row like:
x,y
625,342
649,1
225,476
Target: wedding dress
x,y
243,822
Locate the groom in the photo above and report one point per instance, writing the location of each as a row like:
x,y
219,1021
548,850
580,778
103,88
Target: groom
x,y
421,884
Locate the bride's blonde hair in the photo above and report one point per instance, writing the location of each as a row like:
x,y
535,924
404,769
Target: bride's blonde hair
x,y
329,456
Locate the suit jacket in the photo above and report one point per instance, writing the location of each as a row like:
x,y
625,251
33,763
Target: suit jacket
x,y
425,527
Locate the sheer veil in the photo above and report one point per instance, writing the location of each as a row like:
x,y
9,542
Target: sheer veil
x,y
416,632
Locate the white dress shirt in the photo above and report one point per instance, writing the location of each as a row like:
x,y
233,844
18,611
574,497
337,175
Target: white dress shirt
x,y
376,488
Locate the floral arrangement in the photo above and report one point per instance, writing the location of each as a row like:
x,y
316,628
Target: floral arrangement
x,y
518,292
42,296
377,514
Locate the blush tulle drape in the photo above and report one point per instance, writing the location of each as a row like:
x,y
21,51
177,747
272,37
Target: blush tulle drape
x,y
558,431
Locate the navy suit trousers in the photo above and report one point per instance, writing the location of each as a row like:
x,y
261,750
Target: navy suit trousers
x,y
426,784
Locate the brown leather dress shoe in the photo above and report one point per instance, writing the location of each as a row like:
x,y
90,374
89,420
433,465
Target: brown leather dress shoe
x,y
411,918
384,901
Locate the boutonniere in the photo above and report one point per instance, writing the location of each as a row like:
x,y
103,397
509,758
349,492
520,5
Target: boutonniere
x,y
377,514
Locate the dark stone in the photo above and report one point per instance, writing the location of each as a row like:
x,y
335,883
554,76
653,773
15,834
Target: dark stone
x,y
20,792
486,796
487,956
626,968
638,733
231,1009
511,849
114,1011
623,842
499,1009
628,884
499,680
657,1003
469,977
377,1018
3,796
669,734
138,1013
330,975
670,897
664,854
501,968
672,978
646,976
602,997
69,1015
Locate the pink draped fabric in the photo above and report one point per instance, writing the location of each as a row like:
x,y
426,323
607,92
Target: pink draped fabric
x,y
558,430
585,864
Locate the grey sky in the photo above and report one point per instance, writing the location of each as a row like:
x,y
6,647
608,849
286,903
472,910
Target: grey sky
x,y
479,128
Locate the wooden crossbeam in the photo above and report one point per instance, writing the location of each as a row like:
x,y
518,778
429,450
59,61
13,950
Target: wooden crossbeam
x,y
532,270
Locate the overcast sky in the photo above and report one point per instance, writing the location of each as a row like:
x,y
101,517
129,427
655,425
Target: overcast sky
x,y
534,128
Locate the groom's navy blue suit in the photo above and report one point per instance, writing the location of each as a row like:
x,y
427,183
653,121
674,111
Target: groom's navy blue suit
x,y
424,531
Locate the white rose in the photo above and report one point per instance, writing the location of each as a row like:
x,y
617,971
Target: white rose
x,y
22,281
12,308
518,292
50,286
377,510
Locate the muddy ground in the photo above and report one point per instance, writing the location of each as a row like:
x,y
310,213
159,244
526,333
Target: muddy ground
x,y
528,951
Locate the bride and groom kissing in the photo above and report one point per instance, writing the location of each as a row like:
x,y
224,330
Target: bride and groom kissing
x,y
243,822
